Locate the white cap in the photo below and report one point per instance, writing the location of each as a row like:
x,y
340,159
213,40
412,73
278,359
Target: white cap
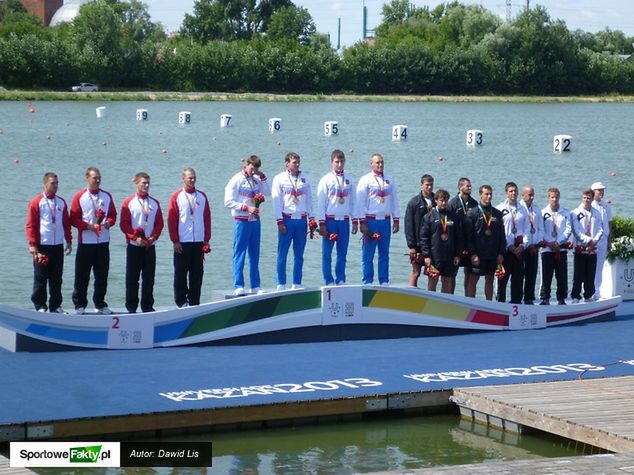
x,y
597,185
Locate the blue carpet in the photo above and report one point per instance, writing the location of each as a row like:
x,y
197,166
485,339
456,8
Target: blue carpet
x,y
77,384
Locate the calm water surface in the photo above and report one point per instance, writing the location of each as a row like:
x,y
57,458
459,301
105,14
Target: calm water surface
x,y
359,447
66,137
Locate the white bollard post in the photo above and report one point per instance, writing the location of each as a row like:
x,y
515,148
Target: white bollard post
x,y
225,120
275,124
141,114
184,117
331,127
474,138
399,132
561,143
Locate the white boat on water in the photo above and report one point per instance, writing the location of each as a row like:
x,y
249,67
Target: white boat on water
x,y
320,314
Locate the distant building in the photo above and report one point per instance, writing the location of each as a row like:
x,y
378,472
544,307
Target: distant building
x,y
45,9
68,12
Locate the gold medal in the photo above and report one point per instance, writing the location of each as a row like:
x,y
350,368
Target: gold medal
x,y
342,200
444,236
487,232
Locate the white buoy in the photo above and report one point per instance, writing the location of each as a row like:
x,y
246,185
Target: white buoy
x,y
101,112
184,117
562,143
474,138
225,120
399,132
331,127
141,114
275,124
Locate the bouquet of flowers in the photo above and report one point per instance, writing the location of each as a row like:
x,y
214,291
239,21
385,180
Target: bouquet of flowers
x,y
519,240
432,271
622,248
370,236
100,215
333,237
139,233
258,199
41,259
312,227
206,249
500,271
418,258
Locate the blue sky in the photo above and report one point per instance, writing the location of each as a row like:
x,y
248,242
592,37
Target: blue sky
x,y
588,15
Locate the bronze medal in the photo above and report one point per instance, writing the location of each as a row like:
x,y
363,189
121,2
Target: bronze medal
x,y
554,233
342,200
295,199
381,200
513,229
532,230
445,236
487,232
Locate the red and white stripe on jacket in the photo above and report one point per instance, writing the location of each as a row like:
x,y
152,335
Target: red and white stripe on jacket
x,y
47,221
144,212
83,210
189,216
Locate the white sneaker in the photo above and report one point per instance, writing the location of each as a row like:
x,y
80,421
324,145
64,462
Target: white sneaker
x,y
80,310
296,287
575,300
184,305
41,310
104,311
239,291
59,310
257,291
281,287
384,284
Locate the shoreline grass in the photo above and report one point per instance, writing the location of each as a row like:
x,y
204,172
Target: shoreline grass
x,y
22,95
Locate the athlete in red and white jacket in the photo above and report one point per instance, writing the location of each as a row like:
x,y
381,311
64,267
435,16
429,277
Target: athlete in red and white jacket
x,y
47,228
142,222
93,213
189,225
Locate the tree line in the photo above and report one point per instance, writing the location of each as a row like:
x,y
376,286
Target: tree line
x,y
273,46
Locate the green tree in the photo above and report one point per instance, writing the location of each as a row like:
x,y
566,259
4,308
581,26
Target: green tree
x,y
397,13
15,19
229,19
291,22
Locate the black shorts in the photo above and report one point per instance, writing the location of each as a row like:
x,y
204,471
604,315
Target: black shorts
x,y
446,268
486,267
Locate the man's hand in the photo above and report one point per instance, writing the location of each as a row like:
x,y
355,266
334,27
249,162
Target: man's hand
x,y
178,248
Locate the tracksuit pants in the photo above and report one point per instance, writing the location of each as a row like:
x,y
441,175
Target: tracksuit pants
x,y
50,274
368,248
140,262
296,234
515,273
246,240
556,263
95,258
188,274
585,266
342,229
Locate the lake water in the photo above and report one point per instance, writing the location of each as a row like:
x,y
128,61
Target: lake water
x,y
67,137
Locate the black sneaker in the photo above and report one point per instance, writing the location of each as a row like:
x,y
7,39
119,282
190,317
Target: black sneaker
x,y
561,302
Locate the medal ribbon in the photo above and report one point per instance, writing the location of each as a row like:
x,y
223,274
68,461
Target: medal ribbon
x,y
294,181
531,219
191,202
588,222
555,232
52,209
145,208
339,185
443,223
487,221
381,186
95,202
